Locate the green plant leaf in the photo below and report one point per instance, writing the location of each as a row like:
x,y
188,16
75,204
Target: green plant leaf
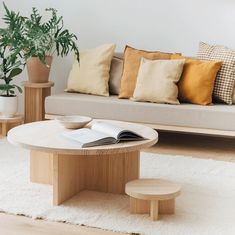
x,y
33,37
18,88
14,72
6,87
12,92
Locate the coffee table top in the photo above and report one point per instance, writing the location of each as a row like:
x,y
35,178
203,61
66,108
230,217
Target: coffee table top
x,y
46,136
153,189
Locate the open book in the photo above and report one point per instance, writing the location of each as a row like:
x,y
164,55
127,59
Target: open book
x,y
102,133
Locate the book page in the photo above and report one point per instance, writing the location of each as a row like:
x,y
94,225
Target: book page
x,y
107,128
85,136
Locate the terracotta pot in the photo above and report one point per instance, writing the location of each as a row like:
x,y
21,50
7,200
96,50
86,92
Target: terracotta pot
x,y
38,72
8,106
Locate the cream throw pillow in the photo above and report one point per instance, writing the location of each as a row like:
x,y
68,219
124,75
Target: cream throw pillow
x,y
156,81
91,75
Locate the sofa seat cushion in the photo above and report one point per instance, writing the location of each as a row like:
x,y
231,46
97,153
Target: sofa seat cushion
x,y
218,116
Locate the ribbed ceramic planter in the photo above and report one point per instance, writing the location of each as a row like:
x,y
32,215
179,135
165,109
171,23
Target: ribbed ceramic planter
x,y
8,106
38,72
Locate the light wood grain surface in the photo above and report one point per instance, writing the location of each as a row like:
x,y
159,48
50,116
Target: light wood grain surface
x,y
139,206
153,196
8,123
38,85
153,189
47,136
19,225
16,118
69,170
34,100
41,167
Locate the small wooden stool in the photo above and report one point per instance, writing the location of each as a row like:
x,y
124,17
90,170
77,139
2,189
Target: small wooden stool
x,y
154,196
7,123
34,100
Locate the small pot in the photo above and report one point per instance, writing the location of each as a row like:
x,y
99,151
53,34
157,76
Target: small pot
x,y
38,72
8,106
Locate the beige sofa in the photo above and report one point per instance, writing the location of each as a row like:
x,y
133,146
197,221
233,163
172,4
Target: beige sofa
x,y
216,119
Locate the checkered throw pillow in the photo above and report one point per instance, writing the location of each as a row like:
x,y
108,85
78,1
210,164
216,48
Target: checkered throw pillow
x,y
225,78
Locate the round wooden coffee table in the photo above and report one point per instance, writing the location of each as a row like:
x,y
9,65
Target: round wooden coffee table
x,y
70,169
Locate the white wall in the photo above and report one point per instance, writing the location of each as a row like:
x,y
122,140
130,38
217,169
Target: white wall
x,y
169,25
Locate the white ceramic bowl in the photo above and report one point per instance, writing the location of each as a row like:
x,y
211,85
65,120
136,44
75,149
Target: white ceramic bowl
x,y
74,122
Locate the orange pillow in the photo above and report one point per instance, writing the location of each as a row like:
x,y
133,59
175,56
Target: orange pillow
x,y
197,80
132,58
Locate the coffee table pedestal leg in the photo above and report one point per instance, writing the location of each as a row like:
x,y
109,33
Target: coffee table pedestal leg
x,y
71,174
41,167
68,178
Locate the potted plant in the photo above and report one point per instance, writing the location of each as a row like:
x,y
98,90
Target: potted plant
x,y
10,66
39,40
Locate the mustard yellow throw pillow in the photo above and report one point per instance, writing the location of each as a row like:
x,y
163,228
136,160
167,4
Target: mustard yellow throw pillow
x,y
132,58
157,81
197,81
91,75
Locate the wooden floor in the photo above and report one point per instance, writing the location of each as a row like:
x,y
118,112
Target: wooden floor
x,y
196,146
175,144
20,225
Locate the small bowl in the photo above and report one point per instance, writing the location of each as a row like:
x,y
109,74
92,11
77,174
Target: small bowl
x,y
74,122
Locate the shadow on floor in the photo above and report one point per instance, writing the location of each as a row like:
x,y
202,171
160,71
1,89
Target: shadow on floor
x,y
195,145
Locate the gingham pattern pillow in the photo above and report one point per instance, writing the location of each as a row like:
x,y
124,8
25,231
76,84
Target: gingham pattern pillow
x,y
225,78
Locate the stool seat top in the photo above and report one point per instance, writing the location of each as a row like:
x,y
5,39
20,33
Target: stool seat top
x,y
16,118
38,85
152,189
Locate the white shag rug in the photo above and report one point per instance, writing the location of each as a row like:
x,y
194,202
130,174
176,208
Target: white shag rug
x,y
206,205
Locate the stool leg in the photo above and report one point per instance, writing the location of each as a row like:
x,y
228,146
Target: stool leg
x,y
154,209
4,129
167,206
